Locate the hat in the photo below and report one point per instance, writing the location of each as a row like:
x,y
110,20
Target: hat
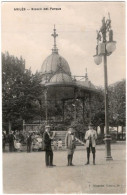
x,y
91,125
71,130
47,126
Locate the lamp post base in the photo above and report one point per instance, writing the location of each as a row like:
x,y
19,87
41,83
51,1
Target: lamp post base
x,y
107,140
108,158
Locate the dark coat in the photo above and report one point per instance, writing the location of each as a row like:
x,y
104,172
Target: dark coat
x,y
47,141
29,140
11,138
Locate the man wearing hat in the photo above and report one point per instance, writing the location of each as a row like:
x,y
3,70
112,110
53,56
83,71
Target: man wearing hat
x,y
90,137
70,145
29,142
47,146
11,139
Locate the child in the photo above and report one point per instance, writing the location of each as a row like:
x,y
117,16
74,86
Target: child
x,y
59,144
17,145
55,144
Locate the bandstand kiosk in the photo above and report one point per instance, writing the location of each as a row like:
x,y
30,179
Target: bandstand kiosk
x,y
60,85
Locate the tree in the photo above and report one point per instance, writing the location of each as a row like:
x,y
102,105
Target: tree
x,y
21,91
117,103
12,71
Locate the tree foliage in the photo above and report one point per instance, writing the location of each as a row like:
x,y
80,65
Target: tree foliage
x,y
20,91
117,103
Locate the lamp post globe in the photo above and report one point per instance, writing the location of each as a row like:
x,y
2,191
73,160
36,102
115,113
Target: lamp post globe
x,y
111,46
97,59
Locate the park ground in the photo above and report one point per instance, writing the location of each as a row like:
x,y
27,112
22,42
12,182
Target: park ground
x,y
26,172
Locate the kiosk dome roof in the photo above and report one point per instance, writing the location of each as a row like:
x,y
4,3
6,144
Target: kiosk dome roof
x,y
51,64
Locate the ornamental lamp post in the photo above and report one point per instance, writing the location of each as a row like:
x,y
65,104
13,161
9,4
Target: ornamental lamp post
x,y
105,48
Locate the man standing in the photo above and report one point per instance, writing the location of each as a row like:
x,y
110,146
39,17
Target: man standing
x,y
29,142
47,147
70,145
11,139
3,140
90,137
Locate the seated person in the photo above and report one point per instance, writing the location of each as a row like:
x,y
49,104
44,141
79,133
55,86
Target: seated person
x,y
36,145
17,145
59,144
55,145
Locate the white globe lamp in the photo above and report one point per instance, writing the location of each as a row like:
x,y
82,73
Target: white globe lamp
x,y
111,46
97,59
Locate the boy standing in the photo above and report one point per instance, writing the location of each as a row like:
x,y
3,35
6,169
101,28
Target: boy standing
x,y
90,137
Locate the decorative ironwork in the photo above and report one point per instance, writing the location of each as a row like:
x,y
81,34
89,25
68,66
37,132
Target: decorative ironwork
x,y
54,50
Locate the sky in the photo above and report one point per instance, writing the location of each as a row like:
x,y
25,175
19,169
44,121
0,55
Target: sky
x,y
28,34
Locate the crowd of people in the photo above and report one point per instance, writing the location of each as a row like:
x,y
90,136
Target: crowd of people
x,y
16,140
35,141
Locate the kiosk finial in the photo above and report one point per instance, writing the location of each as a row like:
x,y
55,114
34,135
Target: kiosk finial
x,y
55,50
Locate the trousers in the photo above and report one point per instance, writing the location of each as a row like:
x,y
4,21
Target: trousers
x,y
49,157
11,147
28,147
88,153
91,148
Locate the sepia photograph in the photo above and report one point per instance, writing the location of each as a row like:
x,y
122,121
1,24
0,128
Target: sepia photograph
x,y
63,75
